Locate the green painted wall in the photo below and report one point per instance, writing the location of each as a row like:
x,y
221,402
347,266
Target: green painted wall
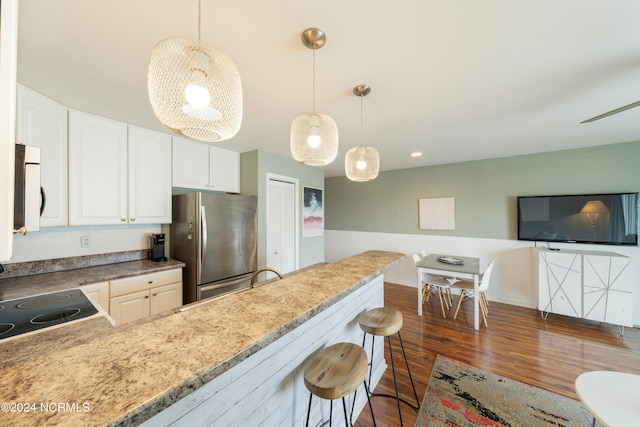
x,y
254,167
485,191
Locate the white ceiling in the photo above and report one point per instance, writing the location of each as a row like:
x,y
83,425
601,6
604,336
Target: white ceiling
x,y
456,79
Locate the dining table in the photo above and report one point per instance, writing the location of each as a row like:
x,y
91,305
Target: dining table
x,y
451,266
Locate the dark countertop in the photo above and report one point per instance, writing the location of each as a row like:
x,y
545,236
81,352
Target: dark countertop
x,y
127,374
19,287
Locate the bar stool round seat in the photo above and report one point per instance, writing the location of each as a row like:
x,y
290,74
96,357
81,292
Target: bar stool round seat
x,y
386,321
382,321
335,372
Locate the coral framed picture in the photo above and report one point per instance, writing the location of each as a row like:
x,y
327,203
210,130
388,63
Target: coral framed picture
x,y
312,212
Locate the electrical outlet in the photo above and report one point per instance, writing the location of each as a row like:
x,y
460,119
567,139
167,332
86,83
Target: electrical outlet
x,y
85,241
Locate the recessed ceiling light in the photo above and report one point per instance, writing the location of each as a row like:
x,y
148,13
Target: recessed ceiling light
x,y
416,154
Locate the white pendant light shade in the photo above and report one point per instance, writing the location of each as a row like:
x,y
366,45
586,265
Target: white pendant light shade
x,y
195,89
314,136
314,139
362,163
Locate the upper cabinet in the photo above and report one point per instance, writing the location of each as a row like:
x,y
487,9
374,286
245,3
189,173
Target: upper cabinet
x,y
42,123
149,176
200,166
117,175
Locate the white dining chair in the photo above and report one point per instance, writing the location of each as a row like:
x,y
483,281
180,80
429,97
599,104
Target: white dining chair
x,y
438,284
467,291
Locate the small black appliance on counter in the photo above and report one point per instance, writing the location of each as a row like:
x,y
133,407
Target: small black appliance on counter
x,y
156,251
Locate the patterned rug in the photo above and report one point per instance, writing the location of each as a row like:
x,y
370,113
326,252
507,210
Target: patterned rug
x,y
461,395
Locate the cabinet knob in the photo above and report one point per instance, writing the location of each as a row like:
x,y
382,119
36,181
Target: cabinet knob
x,y
155,293
150,281
132,219
123,219
146,296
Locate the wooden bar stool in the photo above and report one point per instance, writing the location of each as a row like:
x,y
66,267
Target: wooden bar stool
x,y
386,321
335,372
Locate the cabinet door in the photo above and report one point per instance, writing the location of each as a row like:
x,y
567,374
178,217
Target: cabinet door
x,y
99,292
224,170
130,307
43,123
97,170
166,298
149,177
190,164
608,289
560,283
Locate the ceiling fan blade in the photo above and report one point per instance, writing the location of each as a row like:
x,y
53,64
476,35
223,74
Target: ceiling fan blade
x,y
612,112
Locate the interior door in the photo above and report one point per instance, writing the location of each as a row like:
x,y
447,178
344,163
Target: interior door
x,y
281,225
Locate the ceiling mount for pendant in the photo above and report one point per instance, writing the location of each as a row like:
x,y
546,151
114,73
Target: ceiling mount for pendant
x,y
313,38
314,136
362,163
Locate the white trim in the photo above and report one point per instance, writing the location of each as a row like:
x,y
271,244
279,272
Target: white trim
x,y
296,203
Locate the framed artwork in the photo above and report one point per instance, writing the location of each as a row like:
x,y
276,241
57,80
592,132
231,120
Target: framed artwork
x,y
437,214
312,212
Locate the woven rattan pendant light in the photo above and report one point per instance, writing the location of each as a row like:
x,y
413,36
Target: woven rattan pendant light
x,y
195,89
362,163
314,136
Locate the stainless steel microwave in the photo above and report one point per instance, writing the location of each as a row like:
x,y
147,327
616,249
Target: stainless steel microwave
x,y
29,197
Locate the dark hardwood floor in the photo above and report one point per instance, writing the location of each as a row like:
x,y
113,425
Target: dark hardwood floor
x,y
518,344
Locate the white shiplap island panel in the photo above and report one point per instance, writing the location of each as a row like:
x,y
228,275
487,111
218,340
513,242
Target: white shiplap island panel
x,y
267,389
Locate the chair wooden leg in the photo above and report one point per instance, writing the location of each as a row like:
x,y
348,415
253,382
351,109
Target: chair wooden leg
x,y
483,309
459,303
444,315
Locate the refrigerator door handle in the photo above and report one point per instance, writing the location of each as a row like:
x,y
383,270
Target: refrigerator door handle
x,y
203,233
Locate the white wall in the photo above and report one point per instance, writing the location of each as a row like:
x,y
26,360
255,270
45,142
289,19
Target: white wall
x,y
512,277
63,242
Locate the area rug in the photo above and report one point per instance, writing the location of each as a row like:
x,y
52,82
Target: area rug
x,y
461,395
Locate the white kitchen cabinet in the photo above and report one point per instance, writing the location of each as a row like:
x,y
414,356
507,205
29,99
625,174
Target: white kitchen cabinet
x,y
97,170
117,174
590,285
99,292
224,170
42,122
149,181
137,297
200,166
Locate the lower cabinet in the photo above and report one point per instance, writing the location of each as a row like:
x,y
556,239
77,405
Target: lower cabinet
x,y
99,293
135,298
591,285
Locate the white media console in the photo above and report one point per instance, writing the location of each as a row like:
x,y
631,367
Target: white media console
x,y
590,285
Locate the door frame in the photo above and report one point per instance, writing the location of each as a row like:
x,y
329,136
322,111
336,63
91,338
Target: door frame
x,y
296,213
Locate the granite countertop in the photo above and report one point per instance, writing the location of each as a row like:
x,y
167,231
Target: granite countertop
x,y
18,287
125,375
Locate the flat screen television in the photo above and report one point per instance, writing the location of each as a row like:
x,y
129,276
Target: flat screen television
x,y
607,219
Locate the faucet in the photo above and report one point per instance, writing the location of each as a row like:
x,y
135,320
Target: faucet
x,y
255,275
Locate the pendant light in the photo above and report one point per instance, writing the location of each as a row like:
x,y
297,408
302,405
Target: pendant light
x,y
195,89
314,136
362,163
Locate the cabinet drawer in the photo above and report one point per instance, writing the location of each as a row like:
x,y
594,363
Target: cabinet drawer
x,y
144,282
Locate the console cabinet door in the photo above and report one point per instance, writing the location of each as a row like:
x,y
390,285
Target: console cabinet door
x,y
42,123
608,289
560,283
97,170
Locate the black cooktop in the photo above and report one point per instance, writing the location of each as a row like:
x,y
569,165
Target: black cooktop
x,y
29,314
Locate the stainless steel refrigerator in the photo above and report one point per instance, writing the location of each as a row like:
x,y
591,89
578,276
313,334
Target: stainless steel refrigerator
x,y
215,234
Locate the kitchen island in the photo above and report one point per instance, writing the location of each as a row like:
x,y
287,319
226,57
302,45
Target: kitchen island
x,y
234,360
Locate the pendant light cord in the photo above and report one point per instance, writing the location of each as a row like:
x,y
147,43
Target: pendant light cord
x,y
361,121
199,17
313,109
